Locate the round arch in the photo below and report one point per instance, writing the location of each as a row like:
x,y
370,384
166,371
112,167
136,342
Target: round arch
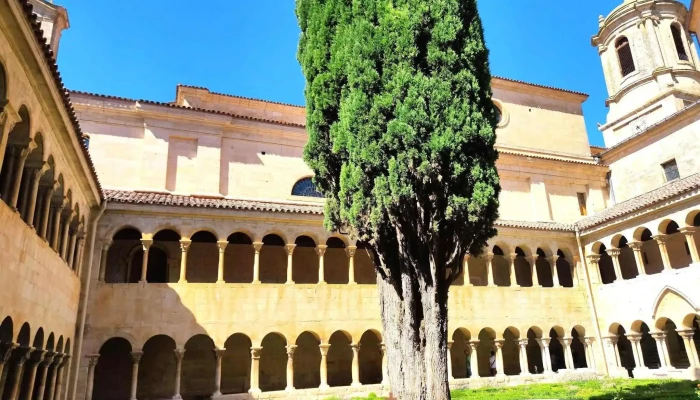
x,y
273,362
370,357
157,368
339,359
307,361
113,371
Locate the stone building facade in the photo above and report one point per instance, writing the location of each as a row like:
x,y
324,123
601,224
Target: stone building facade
x,y
176,250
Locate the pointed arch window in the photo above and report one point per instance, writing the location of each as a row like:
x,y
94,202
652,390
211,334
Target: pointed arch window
x,y
678,41
305,187
624,54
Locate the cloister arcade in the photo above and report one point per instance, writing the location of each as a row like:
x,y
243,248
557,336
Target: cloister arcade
x,y
660,245
130,256
162,368
33,365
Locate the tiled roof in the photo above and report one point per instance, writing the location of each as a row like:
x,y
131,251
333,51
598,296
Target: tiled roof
x,y
240,97
665,192
546,226
541,86
173,105
58,81
551,158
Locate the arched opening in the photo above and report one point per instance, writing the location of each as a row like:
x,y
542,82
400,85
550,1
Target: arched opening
x,y
677,247
607,269
628,264
485,350
203,258
364,266
678,42
273,260
113,371
120,257
651,255
624,56
650,352
523,269
339,359
336,262
43,199
564,273
305,187
38,342
556,350
273,363
578,349
544,269
476,269
460,354
157,368
370,355
307,362
696,223
534,351
168,241
677,354
239,257
198,367
501,267
12,167
624,347
32,165
511,351
305,264
696,334
24,335
235,364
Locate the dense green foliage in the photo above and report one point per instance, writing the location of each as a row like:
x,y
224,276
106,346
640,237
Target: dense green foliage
x,y
401,124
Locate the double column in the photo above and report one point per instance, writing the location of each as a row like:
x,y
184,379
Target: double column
x,y
635,339
690,348
613,351
473,358
689,233
546,358
499,357
533,269
638,257
92,363
524,364
661,241
590,354
568,357
614,253
662,348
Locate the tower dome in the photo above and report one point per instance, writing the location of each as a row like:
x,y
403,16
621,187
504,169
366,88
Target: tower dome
x,y
650,65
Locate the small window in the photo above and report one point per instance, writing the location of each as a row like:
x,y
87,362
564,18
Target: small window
x,y
582,203
678,41
671,170
305,187
624,54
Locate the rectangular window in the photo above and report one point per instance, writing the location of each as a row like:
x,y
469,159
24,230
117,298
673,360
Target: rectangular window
x,y
671,170
582,203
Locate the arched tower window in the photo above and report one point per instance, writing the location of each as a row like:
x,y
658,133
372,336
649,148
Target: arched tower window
x,y
624,54
305,187
678,41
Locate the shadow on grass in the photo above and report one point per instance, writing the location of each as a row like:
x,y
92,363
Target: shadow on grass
x,y
648,390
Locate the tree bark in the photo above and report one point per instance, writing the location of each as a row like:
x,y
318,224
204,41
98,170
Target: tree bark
x,y
414,319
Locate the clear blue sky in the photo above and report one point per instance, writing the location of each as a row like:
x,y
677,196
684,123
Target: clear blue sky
x,y
142,49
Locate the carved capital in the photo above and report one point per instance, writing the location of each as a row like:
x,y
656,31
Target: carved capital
x,y
179,354
523,342
146,243
321,249
290,351
661,239
324,349
289,248
688,230
355,347
350,251
593,259
136,356
255,352
686,333
636,246
499,343
532,259
218,353
221,244
613,252
553,259
611,340
6,351
257,246
634,337
92,360
544,342
473,344
185,244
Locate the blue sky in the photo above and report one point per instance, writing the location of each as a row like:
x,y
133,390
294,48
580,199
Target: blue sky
x,y
142,49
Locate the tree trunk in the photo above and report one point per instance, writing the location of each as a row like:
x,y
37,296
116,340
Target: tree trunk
x,y
414,319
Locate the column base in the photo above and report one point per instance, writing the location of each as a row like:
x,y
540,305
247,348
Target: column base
x,y
143,281
255,282
220,282
324,386
352,283
182,281
254,392
323,283
356,384
216,395
289,389
177,397
289,283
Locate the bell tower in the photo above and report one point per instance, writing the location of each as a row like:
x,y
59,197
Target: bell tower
x,y
53,19
650,64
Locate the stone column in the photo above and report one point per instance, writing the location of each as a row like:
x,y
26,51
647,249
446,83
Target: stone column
x,y
24,192
218,353
290,262
103,259
533,269
256,262
661,241
449,360
44,372
568,357
590,356
179,354
489,268
136,358
37,357
553,267
56,223
634,339
689,233
32,201
72,247
638,258
324,367
45,212
615,255
546,358
59,383
63,241
350,251
92,362
255,367
5,353
385,366
321,250
594,268
499,357
524,364
611,341
513,278
474,360
10,164
290,367
184,246
690,348
146,243
575,271
355,365
17,180
660,338
222,253
465,267
79,254
22,355
53,371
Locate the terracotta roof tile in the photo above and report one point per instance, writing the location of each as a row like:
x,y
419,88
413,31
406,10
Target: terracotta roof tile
x,y
240,97
665,192
541,86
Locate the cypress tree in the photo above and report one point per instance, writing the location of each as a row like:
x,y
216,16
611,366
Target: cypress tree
x,y
401,140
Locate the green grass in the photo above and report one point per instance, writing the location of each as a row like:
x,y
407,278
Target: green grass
x,y
624,389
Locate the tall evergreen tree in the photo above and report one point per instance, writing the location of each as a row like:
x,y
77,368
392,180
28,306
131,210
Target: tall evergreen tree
x,y
401,139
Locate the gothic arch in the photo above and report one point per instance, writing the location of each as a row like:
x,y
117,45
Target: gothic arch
x,y
672,303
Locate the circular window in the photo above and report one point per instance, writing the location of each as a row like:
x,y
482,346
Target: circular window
x,y
501,113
